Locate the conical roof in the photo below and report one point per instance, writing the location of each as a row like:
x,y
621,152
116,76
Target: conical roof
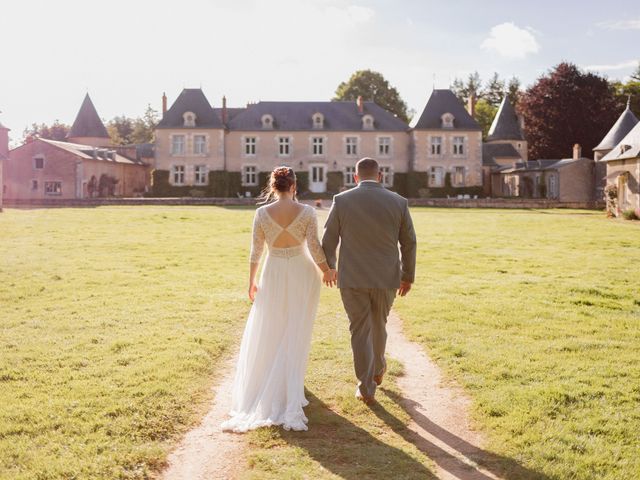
x,y
87,122
620,129
505,125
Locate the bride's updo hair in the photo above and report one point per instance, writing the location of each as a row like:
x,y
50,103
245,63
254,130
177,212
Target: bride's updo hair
x,y
281,180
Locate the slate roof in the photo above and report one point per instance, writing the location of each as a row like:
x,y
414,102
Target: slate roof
x,y
627,148
342,116
540,165
440,102
191,100
623,125
231,112
86,152
505,125
491,151
87,122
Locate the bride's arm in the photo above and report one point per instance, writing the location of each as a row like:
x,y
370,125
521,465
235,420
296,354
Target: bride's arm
x,y
257,247
316,249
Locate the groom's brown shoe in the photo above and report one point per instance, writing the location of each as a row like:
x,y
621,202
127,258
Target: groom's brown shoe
x,y
366,399
378,378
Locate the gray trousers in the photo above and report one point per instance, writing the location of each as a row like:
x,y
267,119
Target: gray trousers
x,y
367,309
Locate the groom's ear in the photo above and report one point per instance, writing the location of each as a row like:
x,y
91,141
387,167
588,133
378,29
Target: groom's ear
x,y
356,178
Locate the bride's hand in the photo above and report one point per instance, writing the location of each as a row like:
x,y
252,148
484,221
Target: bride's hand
x,y
253,289
330,278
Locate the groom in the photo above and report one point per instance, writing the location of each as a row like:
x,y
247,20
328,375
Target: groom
x,y
369,221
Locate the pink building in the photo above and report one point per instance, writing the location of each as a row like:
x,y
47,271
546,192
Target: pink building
x,y
84,166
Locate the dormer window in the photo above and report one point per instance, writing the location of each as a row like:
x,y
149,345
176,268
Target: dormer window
x,y
189,119
367,122
318,120
447,120
267,121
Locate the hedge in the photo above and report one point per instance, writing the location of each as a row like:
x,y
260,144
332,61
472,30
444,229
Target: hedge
x,y
335,182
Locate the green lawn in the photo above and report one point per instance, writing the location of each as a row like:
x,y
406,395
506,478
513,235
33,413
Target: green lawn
x,y
113,321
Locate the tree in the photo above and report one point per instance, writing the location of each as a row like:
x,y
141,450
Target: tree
x,y
485,112
636,73
494,91
464,89
55,131
129,131
120,130
564,107
627,92
374,87
513,91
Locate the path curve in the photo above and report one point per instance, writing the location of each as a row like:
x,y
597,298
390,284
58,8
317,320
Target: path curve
x,y
206,452
440,425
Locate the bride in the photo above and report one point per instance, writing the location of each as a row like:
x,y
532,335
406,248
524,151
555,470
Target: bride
x,y
269,383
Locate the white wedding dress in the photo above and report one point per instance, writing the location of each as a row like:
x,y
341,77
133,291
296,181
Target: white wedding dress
x,y
269,383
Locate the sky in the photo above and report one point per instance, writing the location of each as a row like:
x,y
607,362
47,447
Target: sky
x,y
127,53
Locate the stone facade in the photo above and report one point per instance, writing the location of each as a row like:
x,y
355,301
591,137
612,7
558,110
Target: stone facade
x,y
48,169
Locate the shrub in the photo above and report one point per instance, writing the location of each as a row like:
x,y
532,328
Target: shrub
x,y
611,199
335,181
631,214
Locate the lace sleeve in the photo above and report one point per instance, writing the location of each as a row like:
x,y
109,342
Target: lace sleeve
x,y
312,238
257,240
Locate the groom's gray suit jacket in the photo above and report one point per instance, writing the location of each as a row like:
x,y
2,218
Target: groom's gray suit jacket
x,y
369,221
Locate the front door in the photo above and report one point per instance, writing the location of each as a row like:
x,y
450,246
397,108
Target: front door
x,y
318,178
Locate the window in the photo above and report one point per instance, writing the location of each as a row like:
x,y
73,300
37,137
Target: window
x,y
199,144
458,145
177,145
367,122
318,120
189,119
384,146
447,120
436,145
436,177
177,174
553,187
200,172
250,145
249,175
317,146
387,176
267,121
349,178
34,184
284,144
351,144
53,188
38,163
458,176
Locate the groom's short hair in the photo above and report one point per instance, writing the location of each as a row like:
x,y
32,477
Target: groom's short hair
x,y
367,168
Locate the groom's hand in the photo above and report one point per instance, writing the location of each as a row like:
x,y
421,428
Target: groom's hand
x,y
330,277
404,288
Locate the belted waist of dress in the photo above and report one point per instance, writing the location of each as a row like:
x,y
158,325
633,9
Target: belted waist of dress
x,y
287,252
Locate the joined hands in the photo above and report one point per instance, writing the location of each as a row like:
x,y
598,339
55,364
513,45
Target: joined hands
x,y
330,277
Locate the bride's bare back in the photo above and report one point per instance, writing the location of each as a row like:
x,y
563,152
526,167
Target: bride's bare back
x,y
284,213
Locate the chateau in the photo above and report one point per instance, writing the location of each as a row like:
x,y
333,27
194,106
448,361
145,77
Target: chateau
x,y
203,151
225,151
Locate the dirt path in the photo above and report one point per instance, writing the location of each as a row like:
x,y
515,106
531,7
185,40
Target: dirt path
x,y
206,452
440,426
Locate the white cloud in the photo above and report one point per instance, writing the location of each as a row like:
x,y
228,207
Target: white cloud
x,y
631,24
613,66
511,41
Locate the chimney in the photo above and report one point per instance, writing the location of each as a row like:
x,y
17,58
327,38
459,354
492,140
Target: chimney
x,y
471,105
164,103
360,104
577,151
224,110
521,121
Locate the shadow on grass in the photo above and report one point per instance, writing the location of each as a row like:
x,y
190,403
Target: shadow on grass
x,y
492,465
349,451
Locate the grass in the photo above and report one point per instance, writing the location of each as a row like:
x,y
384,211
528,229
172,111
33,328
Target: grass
x,y
112,322
537,314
